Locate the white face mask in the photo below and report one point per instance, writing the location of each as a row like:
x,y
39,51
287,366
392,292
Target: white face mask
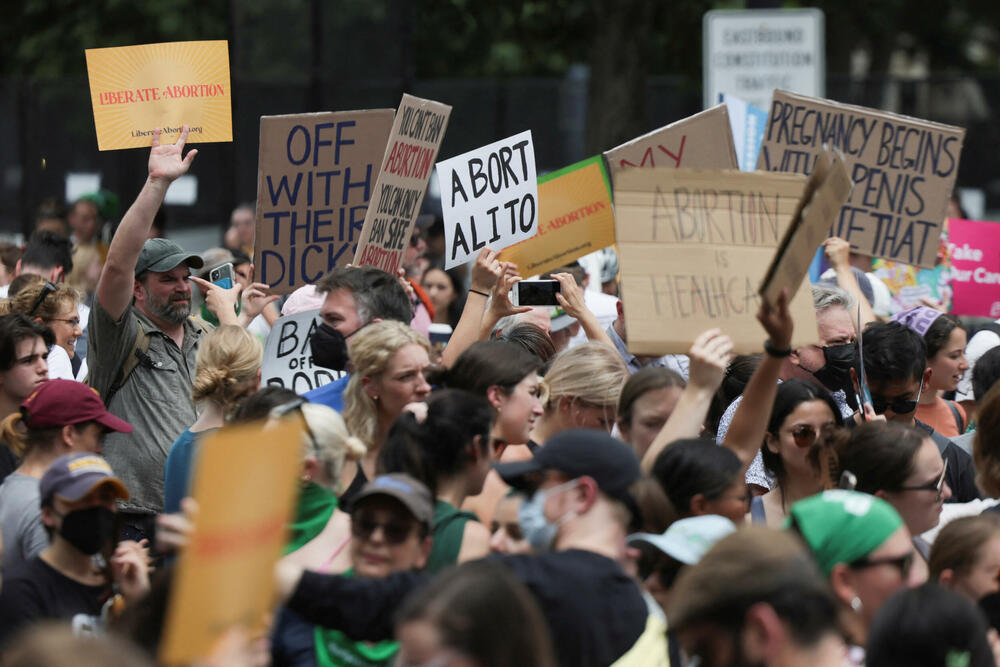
x,y
539,531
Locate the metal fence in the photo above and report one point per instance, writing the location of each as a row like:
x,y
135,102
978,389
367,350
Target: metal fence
x,y
49,131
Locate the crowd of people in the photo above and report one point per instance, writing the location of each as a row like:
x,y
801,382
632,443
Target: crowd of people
x,y
529,493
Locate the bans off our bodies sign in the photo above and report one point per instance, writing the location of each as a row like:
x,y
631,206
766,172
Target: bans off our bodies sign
x,y
135,89
903,171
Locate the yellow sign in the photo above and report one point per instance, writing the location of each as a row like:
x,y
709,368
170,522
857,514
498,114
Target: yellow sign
x,y
575,218
136,89
245,483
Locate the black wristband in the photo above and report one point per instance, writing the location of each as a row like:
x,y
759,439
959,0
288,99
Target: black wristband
x,y
772,351
478,292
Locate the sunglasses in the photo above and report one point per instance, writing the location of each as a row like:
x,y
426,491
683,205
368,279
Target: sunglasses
x,y
899,406
901,563
47,289
363,526
930,486
804,435
665,568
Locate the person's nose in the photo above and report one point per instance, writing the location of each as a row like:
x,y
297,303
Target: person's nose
x,y
497,541
945,491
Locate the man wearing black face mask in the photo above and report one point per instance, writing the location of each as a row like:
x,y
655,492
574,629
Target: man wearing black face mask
x,y
64,582
354,297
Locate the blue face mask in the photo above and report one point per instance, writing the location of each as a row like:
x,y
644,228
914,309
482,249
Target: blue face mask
x,y
539,531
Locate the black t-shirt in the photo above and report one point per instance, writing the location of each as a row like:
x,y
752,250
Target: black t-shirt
x,y
960,476
346,500
34,591
8,462
594,610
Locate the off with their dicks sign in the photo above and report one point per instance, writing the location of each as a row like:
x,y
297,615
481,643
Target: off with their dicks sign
x,y
136,89
316,175
903,170
288,358
694,246
489,198
417,132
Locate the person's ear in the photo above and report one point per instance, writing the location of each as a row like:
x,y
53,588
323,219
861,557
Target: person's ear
x,y
926,379
585,495
310,466
257,379
425,552
947,578
138,291
697,505
620,309
48,517
68,435
17,268
763,634
771,443
57,275
842,583
794,358
565,406
495,395
368,386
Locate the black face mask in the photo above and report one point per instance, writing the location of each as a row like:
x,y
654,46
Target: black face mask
x,y
838,360
329,347
88,529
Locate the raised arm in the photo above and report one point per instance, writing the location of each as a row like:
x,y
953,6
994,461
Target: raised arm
x,y
114,289
838,252
710,355
746,432
572,301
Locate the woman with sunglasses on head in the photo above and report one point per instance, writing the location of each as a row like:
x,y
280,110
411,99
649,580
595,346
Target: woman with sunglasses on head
x,y
445,443
389,531
898,463
55,306
862,546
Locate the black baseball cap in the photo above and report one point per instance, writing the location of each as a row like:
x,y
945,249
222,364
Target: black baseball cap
x,y
580,453
160,255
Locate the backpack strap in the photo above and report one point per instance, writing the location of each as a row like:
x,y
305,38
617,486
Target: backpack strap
x,y
959,422
139,349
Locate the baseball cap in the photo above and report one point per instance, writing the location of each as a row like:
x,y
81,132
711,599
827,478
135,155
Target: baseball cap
x,y
213,258
687,540
163,255
578,453
411,493
842,526
73,476
559,319
57,403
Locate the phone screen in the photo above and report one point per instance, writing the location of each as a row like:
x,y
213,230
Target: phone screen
x,y
537,292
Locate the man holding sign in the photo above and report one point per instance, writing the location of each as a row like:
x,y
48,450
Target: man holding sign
x,y
141,313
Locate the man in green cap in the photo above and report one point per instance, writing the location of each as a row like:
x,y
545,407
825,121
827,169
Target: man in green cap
x,y
142,344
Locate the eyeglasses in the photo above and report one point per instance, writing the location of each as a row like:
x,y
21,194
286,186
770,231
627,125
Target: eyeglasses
x,y
901,563
930,486
804,435
364,525
72,321
900,406
47,289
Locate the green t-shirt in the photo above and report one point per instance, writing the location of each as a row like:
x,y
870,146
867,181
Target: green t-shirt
x,y
447,532
335,649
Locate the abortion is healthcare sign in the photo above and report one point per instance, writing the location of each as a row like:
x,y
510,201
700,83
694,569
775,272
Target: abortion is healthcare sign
x,y
975,264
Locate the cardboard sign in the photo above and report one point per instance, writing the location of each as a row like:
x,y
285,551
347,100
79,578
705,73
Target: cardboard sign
x,y
903,170
489,198
701,141
975,262
136,89
246,485
574,218
416,136
288,355
826,191
694,246
315,176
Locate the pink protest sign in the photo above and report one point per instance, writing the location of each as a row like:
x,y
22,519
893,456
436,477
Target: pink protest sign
x,y
975,262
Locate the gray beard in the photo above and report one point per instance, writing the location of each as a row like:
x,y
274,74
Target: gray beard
x,y
168,310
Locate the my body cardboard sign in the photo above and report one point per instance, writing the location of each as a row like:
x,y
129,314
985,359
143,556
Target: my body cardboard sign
x,y
288,355
903,171
701,141
975,263
489,198
575,217
315,177
416,136
694,246
136,89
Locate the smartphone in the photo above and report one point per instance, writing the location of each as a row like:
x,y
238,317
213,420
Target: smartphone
x,y
439,335
537,292
222,275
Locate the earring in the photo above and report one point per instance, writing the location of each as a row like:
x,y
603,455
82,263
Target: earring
x,y
856,604
375,397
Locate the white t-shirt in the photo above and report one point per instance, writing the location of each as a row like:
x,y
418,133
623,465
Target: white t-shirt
x,y
61,367
981,343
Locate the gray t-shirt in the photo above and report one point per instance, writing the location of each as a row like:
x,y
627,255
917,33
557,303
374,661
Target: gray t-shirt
x,y
24,536
156,398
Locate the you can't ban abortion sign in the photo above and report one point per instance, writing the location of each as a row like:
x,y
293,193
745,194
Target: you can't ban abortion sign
x,y
489,198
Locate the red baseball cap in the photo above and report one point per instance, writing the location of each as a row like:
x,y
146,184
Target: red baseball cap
x,y
57,403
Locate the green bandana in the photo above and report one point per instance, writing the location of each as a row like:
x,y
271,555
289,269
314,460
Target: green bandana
x,y
843,526
316,505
